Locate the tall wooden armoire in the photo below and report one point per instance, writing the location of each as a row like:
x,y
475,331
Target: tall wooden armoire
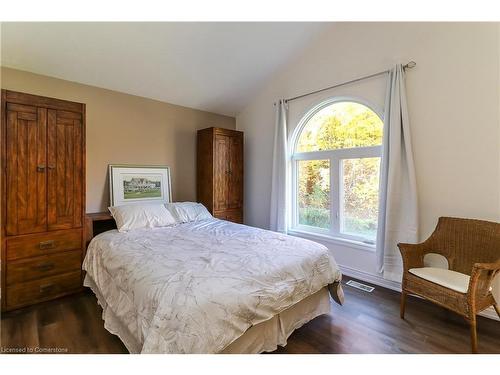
x,y
220,172
43,198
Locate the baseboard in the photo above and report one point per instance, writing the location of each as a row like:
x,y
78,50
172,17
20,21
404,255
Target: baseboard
x,y
393,285
370,278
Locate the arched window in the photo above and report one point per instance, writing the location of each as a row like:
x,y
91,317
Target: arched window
x,y
336,155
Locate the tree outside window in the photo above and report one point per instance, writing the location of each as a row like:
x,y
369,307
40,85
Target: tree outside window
x,y
336,166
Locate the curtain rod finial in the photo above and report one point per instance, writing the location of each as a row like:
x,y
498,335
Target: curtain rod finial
x,y
410,65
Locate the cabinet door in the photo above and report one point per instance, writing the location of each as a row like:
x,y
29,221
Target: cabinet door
x,y
26,169
235,172
221,172
65,170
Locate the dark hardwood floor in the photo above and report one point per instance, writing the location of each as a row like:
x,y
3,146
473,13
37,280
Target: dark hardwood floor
x,y
367,323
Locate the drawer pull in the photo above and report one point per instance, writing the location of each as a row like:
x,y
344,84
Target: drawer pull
x,y
46,288
45,266
45,245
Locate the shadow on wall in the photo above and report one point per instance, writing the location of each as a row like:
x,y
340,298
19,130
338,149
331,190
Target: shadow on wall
x,y
105,198
184,158
182,163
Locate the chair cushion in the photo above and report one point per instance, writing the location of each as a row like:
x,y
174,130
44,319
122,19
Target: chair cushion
x,y
447,278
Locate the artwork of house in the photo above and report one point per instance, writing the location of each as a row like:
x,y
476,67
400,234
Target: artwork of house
x,y
136,184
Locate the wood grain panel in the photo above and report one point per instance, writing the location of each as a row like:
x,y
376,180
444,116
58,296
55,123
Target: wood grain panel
x,y
31,173
23,294
3,197
11,173
21,108
22,172
69,172
68,115
39,267
236,216
235,195
41,101
42,160
43,197
221,171
65,173
43,243
78,175
26,116
26,170
64,121
59,176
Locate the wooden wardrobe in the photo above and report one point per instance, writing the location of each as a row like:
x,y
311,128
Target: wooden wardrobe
x,y
43,198
220,172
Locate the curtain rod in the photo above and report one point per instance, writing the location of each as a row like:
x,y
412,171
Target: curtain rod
x,y
409,65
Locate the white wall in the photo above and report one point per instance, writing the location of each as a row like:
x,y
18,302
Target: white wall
x,y
453,97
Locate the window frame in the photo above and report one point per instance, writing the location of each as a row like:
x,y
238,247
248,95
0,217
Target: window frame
x,y
335,158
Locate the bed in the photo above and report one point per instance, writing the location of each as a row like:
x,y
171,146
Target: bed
x,y
208,286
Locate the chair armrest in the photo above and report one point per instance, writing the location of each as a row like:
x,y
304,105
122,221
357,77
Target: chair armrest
x,y
481,278
487,266
412,254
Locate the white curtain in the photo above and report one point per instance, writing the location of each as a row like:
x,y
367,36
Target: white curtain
x,y
279,190
398,212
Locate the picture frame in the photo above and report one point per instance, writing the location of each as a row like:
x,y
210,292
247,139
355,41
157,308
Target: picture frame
x,y
136,184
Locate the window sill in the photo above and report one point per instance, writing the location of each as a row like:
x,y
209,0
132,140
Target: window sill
x,y
333,240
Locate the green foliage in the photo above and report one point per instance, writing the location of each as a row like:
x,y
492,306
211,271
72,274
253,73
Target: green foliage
x,y
364,227
314,193
360,188
341,125
313,216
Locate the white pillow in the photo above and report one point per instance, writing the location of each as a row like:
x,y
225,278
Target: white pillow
x,y
185,212
135,216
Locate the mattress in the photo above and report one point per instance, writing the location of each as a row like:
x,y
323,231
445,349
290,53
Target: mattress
x,y
198,287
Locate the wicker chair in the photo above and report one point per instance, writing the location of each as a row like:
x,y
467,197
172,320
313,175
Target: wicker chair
x,y
472,248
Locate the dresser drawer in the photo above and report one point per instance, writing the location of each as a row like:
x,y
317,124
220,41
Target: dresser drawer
x,y
23,270
44,243
43,289
235,217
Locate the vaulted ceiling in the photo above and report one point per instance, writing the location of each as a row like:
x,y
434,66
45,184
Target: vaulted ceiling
x,y
216,67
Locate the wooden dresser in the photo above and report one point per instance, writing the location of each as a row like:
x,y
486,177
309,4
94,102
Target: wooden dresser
x,y
43,198
220,172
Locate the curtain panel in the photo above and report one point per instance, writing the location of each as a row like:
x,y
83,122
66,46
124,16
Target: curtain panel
x,y
280,176
398,208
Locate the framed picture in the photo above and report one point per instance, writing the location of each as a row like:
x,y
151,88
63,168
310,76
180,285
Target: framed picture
x,y
132,184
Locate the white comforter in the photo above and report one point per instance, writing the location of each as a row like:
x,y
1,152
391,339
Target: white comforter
x,y
197,287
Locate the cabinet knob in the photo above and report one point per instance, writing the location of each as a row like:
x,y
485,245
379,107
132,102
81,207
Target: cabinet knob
x,y
40,168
